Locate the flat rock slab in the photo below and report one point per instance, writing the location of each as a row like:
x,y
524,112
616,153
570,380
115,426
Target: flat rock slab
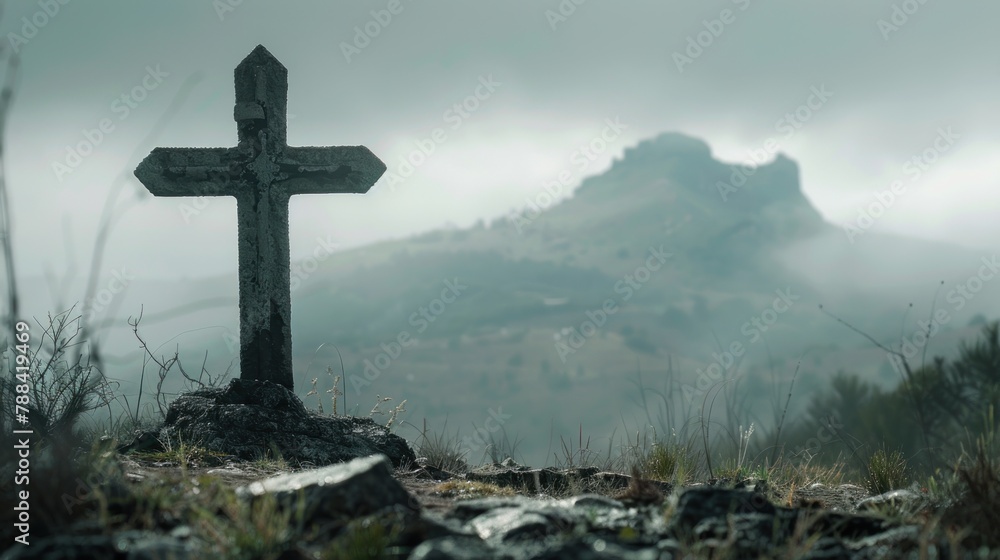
x,y
577,479
255,419
359,487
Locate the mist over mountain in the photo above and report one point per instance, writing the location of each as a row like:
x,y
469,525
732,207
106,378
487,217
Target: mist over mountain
x,y
664,264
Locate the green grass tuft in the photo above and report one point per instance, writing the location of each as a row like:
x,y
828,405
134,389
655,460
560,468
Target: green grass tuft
x,y
886,471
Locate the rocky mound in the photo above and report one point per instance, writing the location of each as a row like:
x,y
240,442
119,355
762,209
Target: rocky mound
x,y
256,419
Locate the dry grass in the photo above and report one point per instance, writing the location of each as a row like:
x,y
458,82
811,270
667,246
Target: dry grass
x,y
973,488
886,471
467,489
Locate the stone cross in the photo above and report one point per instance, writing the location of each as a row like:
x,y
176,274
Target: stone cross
x,y
262,172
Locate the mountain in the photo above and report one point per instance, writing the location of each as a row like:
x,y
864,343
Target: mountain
x,y
670,262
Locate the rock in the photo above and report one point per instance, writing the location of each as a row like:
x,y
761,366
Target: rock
x,y
252,419
530,480
900,541
359,487
595,548
746,534
708,522
452,548
698,504
536,481
843,497
893,498
510,463
506,524
345,500
69,547
127,545
162,548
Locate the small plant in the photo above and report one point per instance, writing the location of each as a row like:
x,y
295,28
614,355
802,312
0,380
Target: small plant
x,y
972,488
583,455
393,412
886,471
64,386
334,392
499,449
668,461
744,446
366,539
183,455
262,528
730,471
442,452
271,464
313,392
660,463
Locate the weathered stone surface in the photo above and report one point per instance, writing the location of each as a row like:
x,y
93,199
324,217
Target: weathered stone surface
x,y
588,547
698,504
893,498
702,522
506,524
75,547
533,480
359,487
843,497
128,545
253,419
452,548
740,522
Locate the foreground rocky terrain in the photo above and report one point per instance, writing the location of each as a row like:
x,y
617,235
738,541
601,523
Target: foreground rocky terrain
x,y
246,471
365,509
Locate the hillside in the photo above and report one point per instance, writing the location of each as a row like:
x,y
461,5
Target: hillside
x,y
547,317
535,279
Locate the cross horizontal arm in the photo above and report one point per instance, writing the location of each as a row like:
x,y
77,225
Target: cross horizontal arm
x,y
191,171
344,169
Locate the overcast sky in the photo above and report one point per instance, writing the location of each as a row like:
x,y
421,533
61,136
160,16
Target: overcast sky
x,y
883,86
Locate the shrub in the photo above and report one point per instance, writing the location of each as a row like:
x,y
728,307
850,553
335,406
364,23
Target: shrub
x,y
441,451
669,461
886,471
